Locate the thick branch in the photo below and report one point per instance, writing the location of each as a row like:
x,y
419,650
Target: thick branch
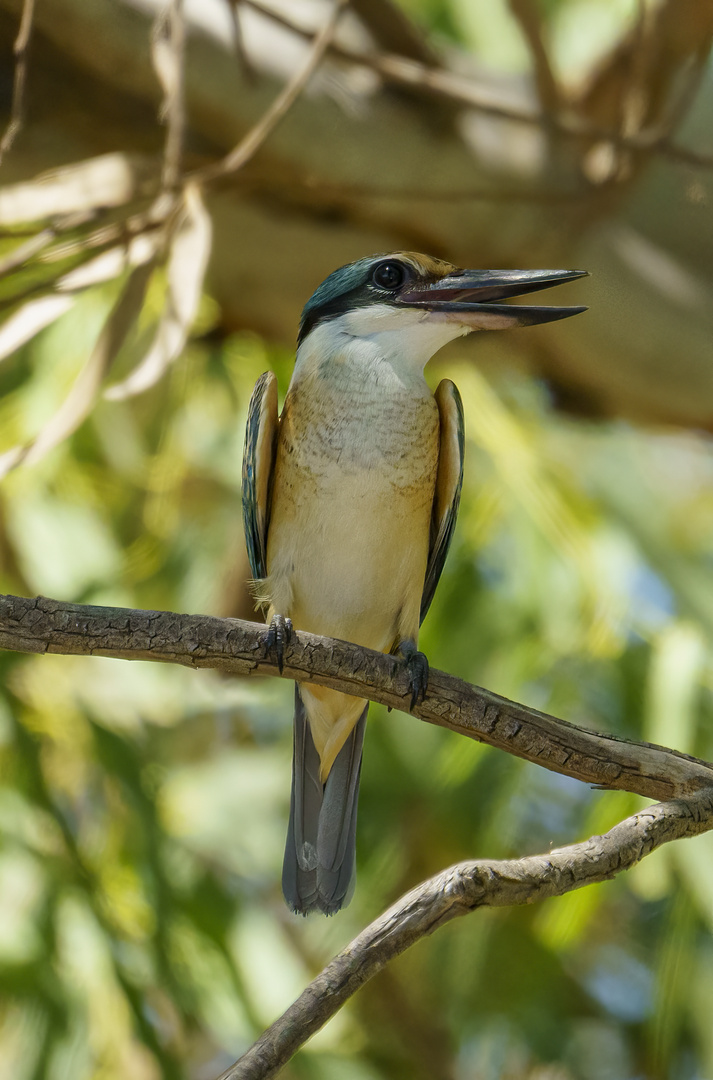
x,y
457,891
41,625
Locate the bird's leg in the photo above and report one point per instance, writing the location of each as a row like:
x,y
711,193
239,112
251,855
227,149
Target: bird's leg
x,y
417,665
276,638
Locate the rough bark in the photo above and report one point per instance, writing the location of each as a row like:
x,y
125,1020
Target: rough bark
x,y
42,625
460,890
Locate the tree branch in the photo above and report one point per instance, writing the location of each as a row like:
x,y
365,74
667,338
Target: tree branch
x,y
41,625
21,50
393,30
529,19
458,891
251,143
461,92
168,44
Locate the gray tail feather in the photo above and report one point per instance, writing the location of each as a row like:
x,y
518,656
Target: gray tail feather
x,y
321,837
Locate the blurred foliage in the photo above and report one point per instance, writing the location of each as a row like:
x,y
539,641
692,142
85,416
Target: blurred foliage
x,y
143,808
578,32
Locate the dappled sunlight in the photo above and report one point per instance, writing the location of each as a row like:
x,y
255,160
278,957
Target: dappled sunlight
x,y
143,807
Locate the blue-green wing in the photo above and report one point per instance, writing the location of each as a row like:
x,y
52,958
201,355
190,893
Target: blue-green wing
x,y
258,464
449,481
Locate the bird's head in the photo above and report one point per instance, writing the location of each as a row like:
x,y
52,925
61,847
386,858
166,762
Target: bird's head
x,y
413,303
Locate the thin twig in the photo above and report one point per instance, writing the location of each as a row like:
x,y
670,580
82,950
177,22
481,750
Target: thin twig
x,y
633,101
393,30
239,40
405,71
122,231
168,41
661,144
463,93
159,216
37,243
341,193
21,50
460,890
529,21
691,82
23,252
232,646
254,139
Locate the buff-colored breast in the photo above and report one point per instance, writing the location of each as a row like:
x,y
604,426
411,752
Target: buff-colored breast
x,y
351,508
350,518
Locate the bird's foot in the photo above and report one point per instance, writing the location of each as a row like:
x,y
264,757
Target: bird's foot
x,y
276,639
417,666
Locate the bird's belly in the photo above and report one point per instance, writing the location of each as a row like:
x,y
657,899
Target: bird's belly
x,y
349,534
350,559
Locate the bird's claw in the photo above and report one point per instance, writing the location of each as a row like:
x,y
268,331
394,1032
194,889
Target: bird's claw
x,y
417,667
277,638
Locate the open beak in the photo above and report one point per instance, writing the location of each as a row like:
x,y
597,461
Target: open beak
x,y
468,297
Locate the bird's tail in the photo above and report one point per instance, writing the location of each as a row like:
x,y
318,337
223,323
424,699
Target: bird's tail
x,y
318,870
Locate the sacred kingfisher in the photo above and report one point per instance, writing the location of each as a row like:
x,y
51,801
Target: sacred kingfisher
x,y
350,500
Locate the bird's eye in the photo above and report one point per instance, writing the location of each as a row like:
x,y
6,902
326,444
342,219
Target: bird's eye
x,y
389,275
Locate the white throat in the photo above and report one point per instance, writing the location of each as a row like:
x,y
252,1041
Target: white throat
x,y
403,338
